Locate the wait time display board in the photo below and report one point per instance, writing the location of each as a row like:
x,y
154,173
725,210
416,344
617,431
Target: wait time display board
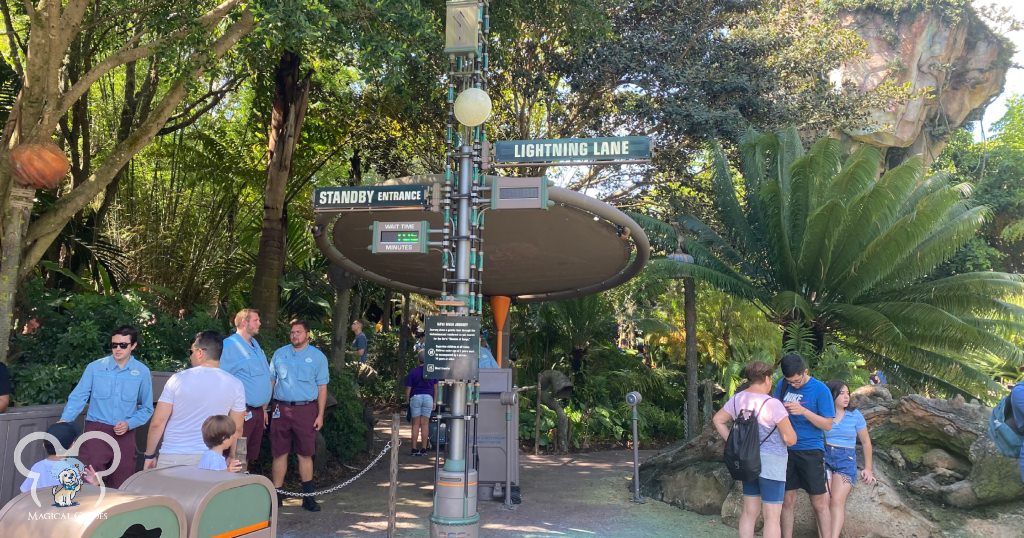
x,y
409,237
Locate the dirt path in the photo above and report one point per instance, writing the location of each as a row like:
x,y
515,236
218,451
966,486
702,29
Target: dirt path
x,y
585,495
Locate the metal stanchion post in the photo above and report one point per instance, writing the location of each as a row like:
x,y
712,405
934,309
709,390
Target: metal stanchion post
x,y
633,399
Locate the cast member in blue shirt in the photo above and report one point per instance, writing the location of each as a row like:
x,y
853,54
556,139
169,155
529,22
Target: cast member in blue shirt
x,y
243,358
811,410
1017,402
299,376
119,391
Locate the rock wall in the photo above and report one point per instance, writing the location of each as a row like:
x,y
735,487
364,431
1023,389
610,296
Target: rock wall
x,y
930,455
957,65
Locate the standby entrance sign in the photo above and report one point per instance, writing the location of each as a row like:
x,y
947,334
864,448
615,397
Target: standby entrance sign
x,y
378,197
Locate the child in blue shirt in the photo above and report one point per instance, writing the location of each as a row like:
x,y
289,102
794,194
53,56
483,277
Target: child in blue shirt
x,y
51,466
218,434
841,452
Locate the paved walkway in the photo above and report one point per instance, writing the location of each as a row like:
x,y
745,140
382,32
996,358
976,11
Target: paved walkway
x,y
585,495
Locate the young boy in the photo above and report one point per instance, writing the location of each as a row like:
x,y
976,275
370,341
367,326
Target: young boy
x,y
50,467
218,434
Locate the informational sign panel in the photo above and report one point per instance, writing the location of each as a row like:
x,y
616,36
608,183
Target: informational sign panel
x,y
519,193
400,237
619,148
371,198
462,26
452,347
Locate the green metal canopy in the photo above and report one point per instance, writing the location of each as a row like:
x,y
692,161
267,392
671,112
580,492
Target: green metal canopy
x,y
578,246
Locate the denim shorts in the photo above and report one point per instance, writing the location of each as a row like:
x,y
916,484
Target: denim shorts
x,y
842,461
770,491
421,405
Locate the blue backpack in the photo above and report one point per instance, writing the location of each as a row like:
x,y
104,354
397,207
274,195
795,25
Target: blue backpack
x,y
1003,429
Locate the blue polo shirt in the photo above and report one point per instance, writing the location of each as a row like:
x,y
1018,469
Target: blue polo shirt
x,y
113,393
248,363
298,373
816,398
486,359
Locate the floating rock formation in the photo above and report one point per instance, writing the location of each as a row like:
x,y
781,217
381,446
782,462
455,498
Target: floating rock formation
x,y
954,66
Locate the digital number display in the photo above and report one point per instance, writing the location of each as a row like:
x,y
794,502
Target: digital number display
x,y
518,193
399,237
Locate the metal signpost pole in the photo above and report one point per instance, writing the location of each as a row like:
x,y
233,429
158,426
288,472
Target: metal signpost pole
x,y
455,490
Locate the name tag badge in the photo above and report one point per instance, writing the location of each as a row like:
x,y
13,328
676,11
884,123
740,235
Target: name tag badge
x,y
248,415
277,412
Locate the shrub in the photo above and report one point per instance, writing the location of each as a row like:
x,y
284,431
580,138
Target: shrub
x,y
75,330
344,429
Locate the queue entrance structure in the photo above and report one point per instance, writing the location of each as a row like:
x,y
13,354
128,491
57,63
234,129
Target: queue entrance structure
x,y
471,234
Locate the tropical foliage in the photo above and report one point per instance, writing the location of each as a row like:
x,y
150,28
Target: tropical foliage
x,y
820,239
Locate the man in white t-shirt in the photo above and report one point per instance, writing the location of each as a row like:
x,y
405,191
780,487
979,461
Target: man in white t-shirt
x,y
188,399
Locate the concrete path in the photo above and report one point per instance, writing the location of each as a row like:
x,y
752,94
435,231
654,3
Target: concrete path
x,y
585,495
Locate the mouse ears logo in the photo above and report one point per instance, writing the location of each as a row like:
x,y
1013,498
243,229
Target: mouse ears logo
x,y
69,473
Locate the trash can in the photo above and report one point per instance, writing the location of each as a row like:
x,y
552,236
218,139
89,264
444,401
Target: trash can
x,y
216,503
116,515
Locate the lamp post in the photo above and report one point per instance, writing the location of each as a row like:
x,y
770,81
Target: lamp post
x,y
690,325
454,512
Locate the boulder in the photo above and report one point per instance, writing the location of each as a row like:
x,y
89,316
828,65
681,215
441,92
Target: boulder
x,y
993,478
931,455
866,507
700,488
937,458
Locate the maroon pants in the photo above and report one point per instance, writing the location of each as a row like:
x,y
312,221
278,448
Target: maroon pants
x,y
293,430
252,429
100,455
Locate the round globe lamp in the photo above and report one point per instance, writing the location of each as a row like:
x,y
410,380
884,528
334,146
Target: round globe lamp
x,y
472,107
39,166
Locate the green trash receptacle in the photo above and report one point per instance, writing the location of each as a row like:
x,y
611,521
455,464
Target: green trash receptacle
x,y
112,514
217,504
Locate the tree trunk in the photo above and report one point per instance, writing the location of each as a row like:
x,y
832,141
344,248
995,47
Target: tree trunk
x,y
405,330
690,323
389,311
342,282
291,96
43,101
16,218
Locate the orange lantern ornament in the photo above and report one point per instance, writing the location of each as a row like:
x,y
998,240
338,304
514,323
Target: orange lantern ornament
x,y
39,166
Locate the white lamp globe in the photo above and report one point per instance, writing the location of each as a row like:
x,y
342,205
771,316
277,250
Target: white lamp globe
x,y
472,107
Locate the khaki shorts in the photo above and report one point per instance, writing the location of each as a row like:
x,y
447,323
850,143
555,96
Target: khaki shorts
x,y
169,460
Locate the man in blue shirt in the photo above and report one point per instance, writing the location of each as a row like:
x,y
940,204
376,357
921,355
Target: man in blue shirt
x,y
1017,402
243,358
360,345
299,376
119,391
811,410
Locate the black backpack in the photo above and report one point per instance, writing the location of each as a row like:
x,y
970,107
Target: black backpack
x,y
743,447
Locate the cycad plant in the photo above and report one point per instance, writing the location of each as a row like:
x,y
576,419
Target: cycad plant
x,y
828,241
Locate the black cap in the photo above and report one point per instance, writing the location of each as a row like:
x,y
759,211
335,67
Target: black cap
x,y
65,432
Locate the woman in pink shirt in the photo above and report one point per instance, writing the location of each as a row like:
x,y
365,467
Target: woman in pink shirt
x,y
776,433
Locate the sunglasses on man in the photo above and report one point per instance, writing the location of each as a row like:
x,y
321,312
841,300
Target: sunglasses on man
x,y
122,345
